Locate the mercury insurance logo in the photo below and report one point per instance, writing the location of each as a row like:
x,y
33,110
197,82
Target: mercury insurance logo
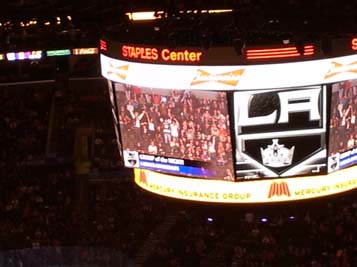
x,y
228,78
279,189
143,178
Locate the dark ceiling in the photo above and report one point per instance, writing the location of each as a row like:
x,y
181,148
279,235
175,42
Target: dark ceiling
x,y
258,20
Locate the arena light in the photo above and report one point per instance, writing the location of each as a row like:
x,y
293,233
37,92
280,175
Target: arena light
x,y
24,55
60,52
264,220
85,51
152,15
220,11
309,50
35,54
103,45
11,56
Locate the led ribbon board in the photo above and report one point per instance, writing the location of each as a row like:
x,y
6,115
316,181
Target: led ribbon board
x,y
230,78
160,55
280,52
276,190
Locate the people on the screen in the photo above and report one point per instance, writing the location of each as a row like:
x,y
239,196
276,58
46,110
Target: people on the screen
x,y
343,125
177,123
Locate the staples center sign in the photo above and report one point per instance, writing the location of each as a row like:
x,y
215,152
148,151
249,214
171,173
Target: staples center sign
x,y
276,190
156,54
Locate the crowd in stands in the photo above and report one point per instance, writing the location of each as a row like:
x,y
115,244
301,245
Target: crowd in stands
x,y
39,212
48,68
191,125
105,152
32,198
33,201
63,256
43,220
120,216
25,71
315,233
24,121
46,207
83,106
87,66
43,223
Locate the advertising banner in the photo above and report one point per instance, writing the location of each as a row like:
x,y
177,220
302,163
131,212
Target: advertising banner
x,y
230,77
257,191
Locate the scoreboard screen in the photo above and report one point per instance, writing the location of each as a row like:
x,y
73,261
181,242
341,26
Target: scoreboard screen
x,y
280,132
181,132
343,127
237,133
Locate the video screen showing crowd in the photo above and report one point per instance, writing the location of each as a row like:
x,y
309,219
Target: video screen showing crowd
x,y
343,127
175,131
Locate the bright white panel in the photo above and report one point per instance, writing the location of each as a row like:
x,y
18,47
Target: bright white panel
x,y
231,77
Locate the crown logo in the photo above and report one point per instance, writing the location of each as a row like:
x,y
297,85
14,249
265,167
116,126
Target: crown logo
x,y
131,159
277,155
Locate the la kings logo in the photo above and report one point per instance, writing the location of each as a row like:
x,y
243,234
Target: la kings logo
x,y
276,155
280,132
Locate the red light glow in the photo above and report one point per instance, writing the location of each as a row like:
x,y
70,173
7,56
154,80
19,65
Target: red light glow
x,y
281,52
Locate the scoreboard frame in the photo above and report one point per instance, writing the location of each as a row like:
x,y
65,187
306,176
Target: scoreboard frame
x,y
238,80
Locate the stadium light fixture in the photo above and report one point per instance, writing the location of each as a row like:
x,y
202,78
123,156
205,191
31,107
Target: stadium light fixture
x,y
152,15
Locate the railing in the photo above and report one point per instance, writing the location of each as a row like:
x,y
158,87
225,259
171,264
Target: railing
x,y
64,257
